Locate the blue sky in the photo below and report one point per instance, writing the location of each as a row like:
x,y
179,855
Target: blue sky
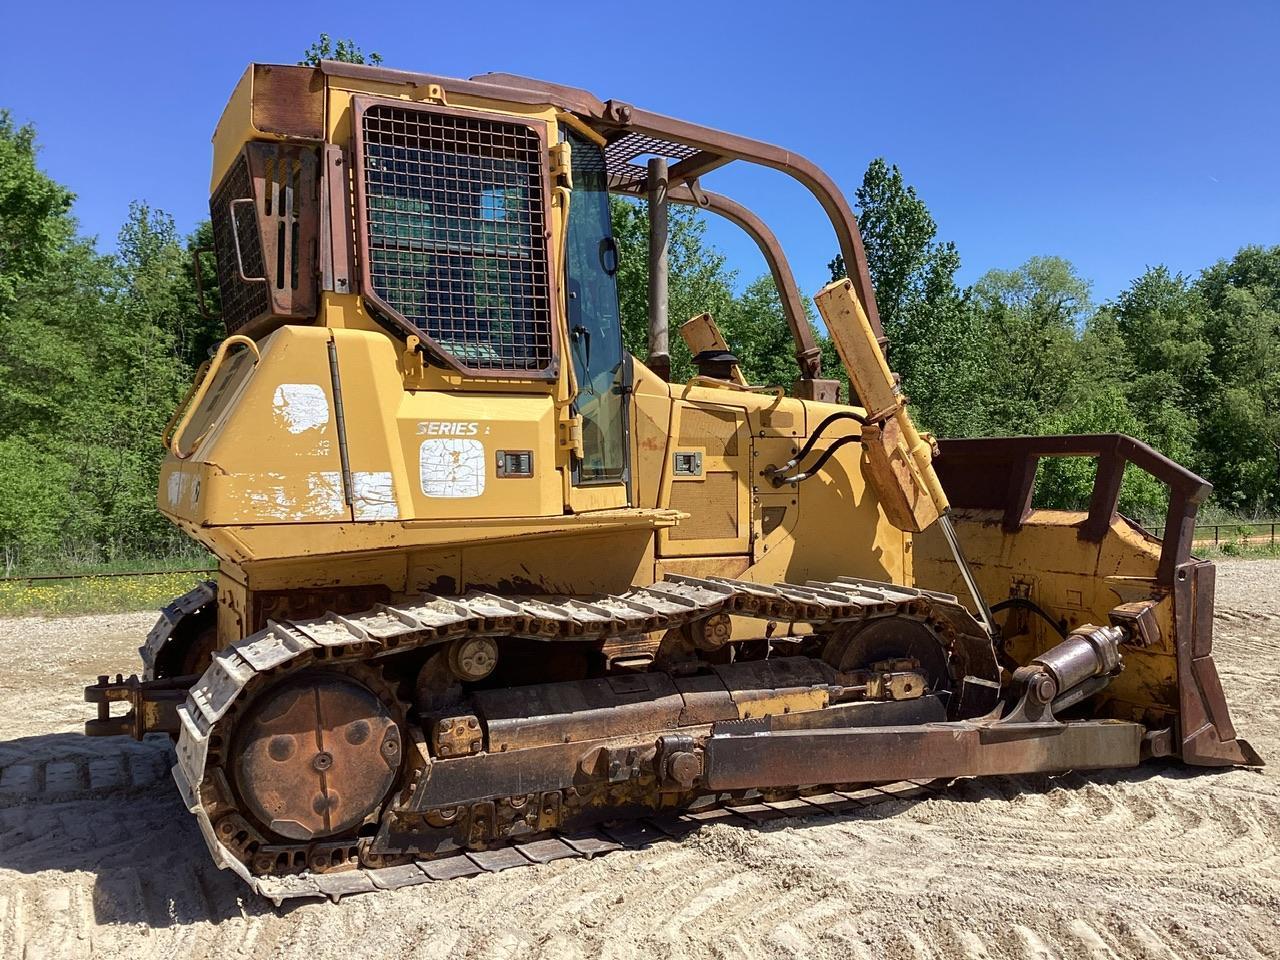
x,y
1116,134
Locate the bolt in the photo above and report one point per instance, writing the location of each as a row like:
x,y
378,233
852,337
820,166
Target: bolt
x,y
390,748
322,761
683,768
1045,688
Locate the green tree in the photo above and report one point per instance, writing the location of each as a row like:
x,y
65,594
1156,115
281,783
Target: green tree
x,y
1160,320
698,279
50,291
759,336
153,313
1239,429
924,313
201,326
34,219
1027,321
92,361
347,51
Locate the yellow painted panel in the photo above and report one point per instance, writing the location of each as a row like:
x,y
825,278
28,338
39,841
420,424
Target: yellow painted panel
x,y
381,482
274,455
650,431
719,501
1077,581
451,442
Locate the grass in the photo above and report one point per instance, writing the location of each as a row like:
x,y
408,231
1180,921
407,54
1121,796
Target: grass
x,y
1240,549
94,592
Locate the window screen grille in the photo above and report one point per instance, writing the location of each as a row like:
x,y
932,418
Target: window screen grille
x,y
456,235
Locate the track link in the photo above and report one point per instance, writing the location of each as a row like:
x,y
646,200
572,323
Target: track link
x,y
335,640
187,605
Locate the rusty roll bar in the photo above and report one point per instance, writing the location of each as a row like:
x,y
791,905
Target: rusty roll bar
x,y
808,354
719,148
716,147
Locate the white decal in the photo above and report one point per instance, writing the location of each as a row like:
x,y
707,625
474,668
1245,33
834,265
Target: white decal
x,y
374,497
452,468
177,484
300,406
275,497
324,494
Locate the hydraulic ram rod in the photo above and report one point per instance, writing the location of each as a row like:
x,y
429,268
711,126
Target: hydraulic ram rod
x,y
984,611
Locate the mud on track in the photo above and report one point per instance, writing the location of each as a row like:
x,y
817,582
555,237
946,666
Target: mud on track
x,y
98,858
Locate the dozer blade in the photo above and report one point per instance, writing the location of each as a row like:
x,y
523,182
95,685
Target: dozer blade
x,y
1117,572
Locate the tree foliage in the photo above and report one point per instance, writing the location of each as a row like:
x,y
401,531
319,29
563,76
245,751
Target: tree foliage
x,y
923,311
94,354
1189,365
345,51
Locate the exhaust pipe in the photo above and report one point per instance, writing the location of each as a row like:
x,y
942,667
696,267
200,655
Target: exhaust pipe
x,y
659,360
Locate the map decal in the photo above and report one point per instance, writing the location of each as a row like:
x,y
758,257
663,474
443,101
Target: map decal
x,y
452,468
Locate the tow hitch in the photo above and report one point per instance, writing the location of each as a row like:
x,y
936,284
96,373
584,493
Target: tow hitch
x,y
153,705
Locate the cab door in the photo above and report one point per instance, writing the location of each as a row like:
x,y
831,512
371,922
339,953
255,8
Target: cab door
x,y
601,477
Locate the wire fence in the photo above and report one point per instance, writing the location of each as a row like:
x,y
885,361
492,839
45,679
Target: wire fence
x,y
34,577
1237,531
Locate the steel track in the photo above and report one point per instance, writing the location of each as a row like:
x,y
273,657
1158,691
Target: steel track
x,y
247,666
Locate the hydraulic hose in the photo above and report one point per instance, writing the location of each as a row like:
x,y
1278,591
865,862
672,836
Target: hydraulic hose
x,y
816,436
818,465
1022,603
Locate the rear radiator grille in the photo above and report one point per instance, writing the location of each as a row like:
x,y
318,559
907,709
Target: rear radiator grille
x,y
267,209
455,233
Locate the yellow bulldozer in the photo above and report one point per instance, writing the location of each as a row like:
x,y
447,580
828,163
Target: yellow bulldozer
x,y
492,591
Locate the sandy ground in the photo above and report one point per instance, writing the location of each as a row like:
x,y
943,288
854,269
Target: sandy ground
x,y
98,858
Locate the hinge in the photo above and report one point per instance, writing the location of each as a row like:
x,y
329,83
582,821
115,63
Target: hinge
x,y
571,435
561,160
430,92
412,358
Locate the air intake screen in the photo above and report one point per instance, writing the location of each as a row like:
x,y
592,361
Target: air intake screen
x,y
266,215
711,504
241,302
455,233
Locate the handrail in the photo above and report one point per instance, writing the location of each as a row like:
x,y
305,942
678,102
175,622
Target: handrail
x,y
171,437
715,382
998,473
